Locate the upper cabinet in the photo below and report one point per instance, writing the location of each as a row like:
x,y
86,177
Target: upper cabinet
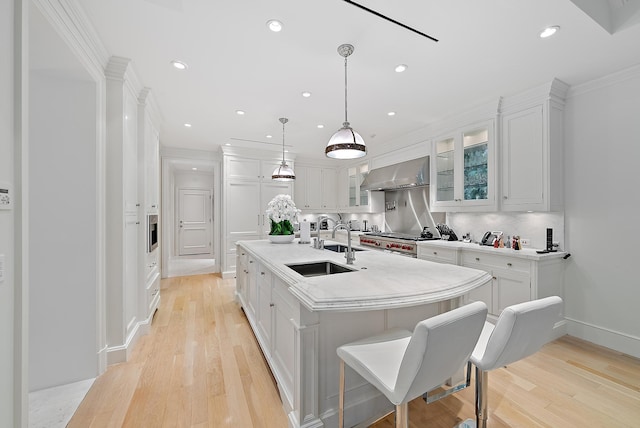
x,y
532,149
351,198
316,188
463,173
149,140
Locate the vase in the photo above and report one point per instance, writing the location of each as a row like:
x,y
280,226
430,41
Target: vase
x,y
281,239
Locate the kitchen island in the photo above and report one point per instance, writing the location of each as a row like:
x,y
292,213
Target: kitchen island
x,y
299,321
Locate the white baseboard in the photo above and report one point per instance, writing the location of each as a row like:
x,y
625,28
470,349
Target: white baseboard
x,y
120,353
228,274
618,341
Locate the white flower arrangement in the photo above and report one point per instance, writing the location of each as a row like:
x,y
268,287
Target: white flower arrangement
x,y
282,212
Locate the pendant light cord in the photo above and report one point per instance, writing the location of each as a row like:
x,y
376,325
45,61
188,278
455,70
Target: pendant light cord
x,y
283,122
345,90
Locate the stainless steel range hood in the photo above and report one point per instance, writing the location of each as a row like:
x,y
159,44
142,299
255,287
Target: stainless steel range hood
x,y
402,175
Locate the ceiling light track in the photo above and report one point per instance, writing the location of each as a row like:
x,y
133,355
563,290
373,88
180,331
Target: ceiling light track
x,y
378,14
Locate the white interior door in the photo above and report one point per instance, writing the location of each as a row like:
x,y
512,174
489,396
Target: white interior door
x,y
194,222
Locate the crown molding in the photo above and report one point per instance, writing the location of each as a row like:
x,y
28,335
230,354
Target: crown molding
x,y
69,20
615,78
148,100
555,90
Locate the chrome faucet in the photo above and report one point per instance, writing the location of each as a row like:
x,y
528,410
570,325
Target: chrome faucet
x,y
350,254
317,242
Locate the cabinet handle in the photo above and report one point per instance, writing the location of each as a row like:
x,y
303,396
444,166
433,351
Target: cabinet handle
x,y
509,264
494,277
137,222
250,261
477,259
505,197
138,204
271,305
435,253
154,206
261,273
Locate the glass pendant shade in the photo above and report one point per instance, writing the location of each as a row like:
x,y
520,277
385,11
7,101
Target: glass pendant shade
x,y
346,144
284,172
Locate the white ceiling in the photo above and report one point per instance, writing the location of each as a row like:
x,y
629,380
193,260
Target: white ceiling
x,y
487,49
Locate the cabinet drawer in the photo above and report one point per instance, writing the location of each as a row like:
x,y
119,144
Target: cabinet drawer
x,y
494,261
438,254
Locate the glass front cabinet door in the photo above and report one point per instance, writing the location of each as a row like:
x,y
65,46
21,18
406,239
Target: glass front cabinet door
x,y
463,170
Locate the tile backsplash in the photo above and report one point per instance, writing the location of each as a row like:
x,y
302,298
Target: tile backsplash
x,y
532,226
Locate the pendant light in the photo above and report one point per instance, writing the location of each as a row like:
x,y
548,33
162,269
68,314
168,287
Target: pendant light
x,y
283,172
345,143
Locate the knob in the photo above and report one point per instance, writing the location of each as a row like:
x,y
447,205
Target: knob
x,y
509,264
477,259
505,197
261,273
271,305
435,253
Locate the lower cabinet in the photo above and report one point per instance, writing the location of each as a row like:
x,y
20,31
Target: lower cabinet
x,y
516,278
511,282
274,315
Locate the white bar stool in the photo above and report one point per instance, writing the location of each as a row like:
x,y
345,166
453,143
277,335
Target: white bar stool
x,y
521,330
404,365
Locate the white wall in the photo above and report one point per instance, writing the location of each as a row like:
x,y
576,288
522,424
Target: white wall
x,y
602,185
6,217
63,231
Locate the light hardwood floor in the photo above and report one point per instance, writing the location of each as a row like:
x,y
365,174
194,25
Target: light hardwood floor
x,y
200,366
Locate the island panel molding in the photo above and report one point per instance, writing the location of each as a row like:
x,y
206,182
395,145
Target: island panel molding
x,y
299,322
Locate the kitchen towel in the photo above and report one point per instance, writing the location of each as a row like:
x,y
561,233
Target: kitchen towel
x,y
305,232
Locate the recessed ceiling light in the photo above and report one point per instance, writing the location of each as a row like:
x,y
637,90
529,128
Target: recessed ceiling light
x,y
227,144
194,169
239,112
269,136
274,25
286,151
549,31
179,65
306,94
401,67
320,126
391,113
187,125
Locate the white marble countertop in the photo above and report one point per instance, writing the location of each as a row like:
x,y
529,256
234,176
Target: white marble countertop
x,y
380,280
526,253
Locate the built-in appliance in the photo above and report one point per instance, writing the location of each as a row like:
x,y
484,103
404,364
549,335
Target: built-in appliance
x,y
400,243
152,232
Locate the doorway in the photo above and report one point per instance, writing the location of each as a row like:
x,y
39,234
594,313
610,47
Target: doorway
x,y
189,235
194,222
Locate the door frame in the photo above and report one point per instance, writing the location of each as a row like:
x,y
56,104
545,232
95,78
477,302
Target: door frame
x,y
173,160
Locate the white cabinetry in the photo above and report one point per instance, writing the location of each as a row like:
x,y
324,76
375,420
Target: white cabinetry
x,y
532,149
151,163
248,189
352,199
463,169
316,188
511,280
275,318
124,235
517,277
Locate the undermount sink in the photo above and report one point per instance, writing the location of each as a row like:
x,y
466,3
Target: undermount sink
x,y
339,248
319,268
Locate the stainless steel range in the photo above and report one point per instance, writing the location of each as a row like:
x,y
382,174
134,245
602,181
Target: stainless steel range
x,y
401,243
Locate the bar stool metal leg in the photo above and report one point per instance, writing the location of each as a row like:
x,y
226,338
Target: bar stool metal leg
x,y
482,388
341,397
402,415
